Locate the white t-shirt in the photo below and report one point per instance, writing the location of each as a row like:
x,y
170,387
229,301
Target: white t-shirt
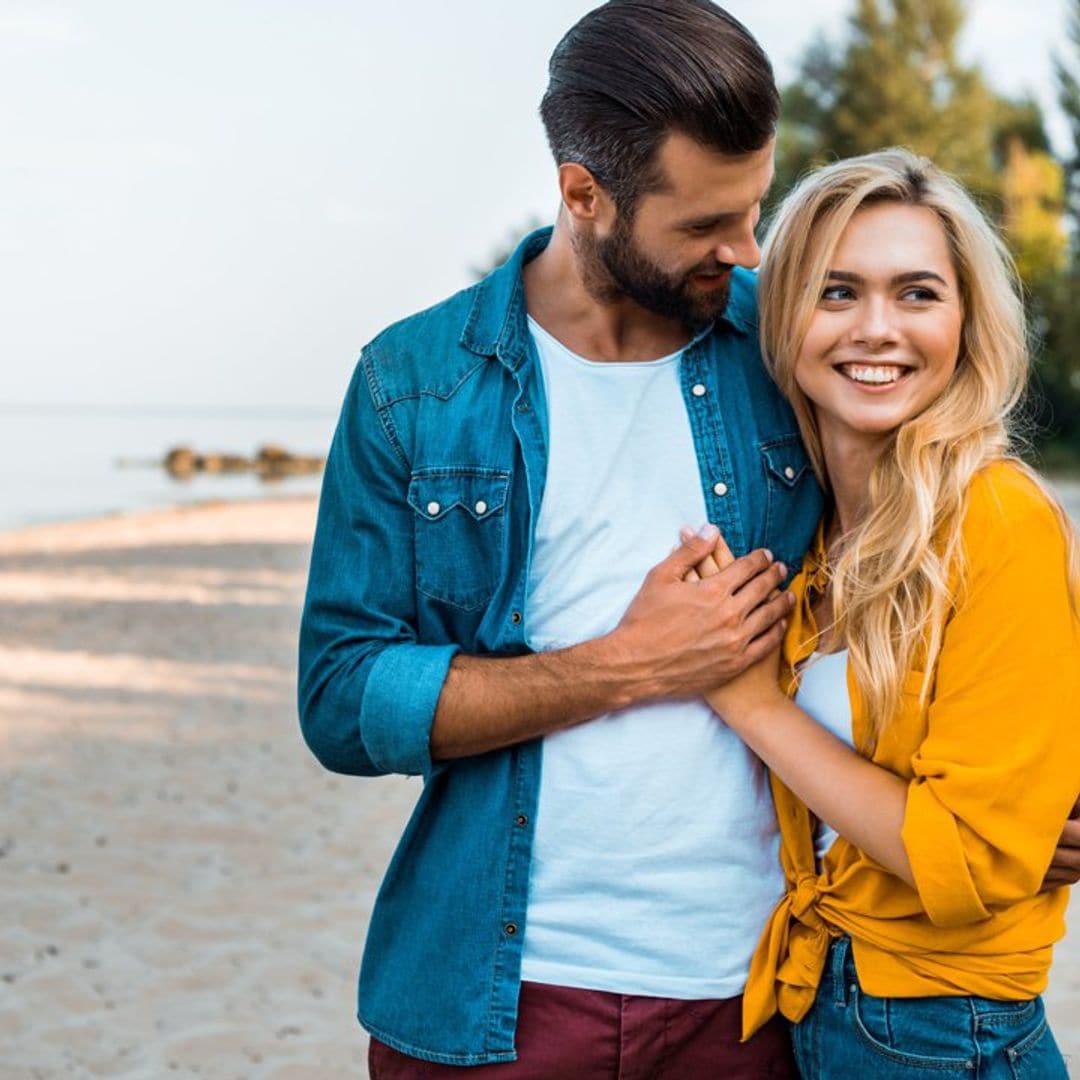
x,y
655,863
823,694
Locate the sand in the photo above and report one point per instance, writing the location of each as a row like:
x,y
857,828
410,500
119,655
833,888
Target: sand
x,y
184,890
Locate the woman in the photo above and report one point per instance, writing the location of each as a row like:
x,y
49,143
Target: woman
x,y
934,630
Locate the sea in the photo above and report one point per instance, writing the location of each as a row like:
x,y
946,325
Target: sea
x,y
66,463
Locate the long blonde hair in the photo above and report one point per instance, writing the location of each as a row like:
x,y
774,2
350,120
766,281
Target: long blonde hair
x,y
891,585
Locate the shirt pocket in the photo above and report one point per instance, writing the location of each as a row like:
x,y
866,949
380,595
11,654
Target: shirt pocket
x,y
787,478
460,525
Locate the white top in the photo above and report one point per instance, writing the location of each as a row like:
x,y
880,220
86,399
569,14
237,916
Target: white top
x,y
823,694
655,863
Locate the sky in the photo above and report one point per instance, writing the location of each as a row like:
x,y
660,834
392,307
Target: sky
x,y
217,203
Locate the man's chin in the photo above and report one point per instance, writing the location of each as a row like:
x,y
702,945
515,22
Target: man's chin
x,y
707,305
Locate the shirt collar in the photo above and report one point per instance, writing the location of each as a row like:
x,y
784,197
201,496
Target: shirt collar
x,y
497,324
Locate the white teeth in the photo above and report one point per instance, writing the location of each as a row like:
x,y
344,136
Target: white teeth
x,y
865,373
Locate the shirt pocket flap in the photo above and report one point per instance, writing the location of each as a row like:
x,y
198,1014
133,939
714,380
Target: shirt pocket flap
x,y
480,492
785,459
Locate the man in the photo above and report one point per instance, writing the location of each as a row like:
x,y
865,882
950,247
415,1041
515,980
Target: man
x,y
492,603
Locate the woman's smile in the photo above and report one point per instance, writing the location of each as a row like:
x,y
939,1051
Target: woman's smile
x,y
871,376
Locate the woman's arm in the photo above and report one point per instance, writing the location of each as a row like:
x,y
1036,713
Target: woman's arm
x,y
863,802
997,773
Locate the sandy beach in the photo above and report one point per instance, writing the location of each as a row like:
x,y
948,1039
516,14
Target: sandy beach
x,y
185,891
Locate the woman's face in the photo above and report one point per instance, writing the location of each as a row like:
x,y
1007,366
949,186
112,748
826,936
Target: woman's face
x,y
885,337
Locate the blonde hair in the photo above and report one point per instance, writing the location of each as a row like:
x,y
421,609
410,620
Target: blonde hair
x,y
891,585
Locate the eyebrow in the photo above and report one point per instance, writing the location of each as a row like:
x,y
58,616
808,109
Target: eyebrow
x,y
900,279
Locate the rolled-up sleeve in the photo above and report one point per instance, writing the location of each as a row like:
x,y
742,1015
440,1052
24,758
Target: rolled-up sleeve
x,y
999,768
367,689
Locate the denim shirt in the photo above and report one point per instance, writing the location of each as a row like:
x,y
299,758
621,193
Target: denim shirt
x,y
432,489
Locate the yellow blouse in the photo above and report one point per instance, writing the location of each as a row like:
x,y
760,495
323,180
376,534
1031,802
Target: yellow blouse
x,y
993,763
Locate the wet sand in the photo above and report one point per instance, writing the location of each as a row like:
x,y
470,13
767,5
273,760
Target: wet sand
x,y
185,890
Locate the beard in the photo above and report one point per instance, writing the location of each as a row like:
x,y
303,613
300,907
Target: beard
x,y
615,267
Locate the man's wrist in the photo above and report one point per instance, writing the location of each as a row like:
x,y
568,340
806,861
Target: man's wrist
x,y
629,680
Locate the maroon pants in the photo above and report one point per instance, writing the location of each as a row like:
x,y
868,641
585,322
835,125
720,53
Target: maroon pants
x,y
567,1034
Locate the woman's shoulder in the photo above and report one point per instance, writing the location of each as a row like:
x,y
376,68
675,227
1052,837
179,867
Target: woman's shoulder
x,y
1007,507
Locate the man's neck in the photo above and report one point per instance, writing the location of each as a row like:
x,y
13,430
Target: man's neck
x,y
557,298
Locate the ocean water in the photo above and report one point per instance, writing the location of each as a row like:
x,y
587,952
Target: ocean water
x,y
65,464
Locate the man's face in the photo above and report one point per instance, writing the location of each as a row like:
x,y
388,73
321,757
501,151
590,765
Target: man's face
x,y
675,256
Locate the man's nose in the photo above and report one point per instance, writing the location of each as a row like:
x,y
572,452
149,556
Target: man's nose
x,y
742,250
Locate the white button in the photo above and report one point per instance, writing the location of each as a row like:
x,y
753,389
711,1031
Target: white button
x,y
481,507
789,472
720,489
698,390
433,508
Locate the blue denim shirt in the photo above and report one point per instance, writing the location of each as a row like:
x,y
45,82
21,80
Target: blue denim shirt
x,y
431,493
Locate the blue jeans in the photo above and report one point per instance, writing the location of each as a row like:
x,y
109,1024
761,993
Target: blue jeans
x,y
850,1034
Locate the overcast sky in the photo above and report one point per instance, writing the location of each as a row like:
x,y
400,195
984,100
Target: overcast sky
x,y
219,201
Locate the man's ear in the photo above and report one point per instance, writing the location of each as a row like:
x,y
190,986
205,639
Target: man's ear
x,y
583,197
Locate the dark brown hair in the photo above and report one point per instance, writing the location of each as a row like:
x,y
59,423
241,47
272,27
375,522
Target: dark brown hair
x,y
632,71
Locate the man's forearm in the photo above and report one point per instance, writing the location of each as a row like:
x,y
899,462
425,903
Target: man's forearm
x,y
488,703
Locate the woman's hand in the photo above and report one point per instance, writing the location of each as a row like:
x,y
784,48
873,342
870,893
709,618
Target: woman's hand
x,y
862,801
758,684
756,688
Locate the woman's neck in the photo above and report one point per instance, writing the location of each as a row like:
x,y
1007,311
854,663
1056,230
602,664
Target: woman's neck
x,y
849,459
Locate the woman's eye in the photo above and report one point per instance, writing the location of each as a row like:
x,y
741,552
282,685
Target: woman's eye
x,y
920,294
836,292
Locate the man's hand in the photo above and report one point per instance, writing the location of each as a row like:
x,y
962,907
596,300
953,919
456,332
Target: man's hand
x,y
682,638
1065,867
759,681
677,639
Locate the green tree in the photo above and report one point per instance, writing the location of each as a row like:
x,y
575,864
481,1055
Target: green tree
x,y
1067,70
1032,211
895,80
1055,391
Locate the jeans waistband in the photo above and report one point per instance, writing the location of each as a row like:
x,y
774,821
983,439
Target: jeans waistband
x,y
840,981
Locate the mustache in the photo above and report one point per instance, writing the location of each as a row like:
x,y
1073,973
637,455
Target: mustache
x,y
713,268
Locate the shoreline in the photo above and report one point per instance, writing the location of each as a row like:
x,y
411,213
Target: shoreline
x,y
1067,486
166,507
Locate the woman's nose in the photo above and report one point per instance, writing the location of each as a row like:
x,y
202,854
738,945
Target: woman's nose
x,y
874,326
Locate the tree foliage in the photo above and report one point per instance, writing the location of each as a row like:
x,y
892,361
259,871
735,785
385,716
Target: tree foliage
x,y
1067,71
895,81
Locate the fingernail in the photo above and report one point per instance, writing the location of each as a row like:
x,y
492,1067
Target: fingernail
x,y
768,554
708,532
686,533
783,569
